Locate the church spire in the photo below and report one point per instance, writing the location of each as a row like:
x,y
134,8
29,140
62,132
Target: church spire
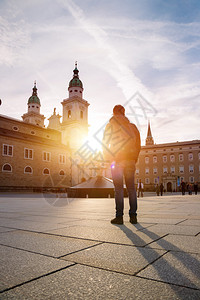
x,y
76,71
75,85
149,138
35,90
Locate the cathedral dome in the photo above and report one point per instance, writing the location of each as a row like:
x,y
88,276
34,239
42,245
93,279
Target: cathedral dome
x,y
75,80
34,98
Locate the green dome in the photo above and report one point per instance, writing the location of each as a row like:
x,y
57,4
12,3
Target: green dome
x,y
34,99
75,82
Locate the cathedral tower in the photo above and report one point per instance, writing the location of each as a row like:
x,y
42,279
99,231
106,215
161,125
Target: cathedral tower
x,y
75,113
33,115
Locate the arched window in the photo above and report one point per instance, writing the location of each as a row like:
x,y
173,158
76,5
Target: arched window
x,y
81,114
46,171
7,168
62,173
69,114
28,170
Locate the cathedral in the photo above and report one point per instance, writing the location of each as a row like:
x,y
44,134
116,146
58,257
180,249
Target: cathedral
x,y
36,158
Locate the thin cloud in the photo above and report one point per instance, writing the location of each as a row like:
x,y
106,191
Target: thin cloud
x,y
126,79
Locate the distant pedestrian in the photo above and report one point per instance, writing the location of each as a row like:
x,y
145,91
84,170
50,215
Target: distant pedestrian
x,y
140,188
189,189
196,188
161,188
157,189
121,147
183,186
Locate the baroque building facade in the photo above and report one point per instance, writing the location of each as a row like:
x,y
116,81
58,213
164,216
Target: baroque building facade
x,y
168,163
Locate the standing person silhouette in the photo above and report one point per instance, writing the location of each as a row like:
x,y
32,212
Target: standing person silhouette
x,y
140,188
121,147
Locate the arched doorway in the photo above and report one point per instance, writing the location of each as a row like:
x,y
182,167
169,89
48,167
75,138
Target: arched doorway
x,y
169,187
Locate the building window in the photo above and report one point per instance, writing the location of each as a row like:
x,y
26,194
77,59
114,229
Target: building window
x,y
172,170
62,173
7,168
155,180
172,158
46,171
28,170
7,150
155,159
81,114
62,159
155,170
76,91
28,153
165,170
15,128
199,155
147,171
181,169
164,158
181,158
69,114
147,181
191,179
190,156
137,171
191,169
146,160
46,156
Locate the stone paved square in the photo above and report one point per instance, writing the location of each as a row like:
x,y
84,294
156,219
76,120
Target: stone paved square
x,y
73,252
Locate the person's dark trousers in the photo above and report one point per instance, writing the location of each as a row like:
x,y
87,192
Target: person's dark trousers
x,y
126,169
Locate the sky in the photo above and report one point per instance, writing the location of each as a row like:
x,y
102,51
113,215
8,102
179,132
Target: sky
x,y
143,54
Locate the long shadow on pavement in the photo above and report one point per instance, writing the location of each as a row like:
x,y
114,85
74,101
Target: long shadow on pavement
x,y
170,269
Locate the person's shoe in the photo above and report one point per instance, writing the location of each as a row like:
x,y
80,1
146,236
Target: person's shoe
x,y
133,219
117,220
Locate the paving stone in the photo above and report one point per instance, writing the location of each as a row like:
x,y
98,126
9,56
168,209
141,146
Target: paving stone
x,y
160,220
106,224
129,259
164,215
116,234
29,225
191,223
52,245
5,229
18,266
173,229
48,219
82,282
177,243
175,267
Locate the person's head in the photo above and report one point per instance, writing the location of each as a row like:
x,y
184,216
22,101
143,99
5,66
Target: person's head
x,y
118,110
